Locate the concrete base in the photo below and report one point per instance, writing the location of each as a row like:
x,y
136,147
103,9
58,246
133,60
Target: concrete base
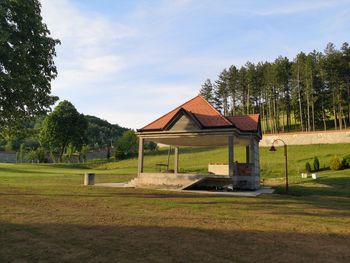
x,y
165,180
181,181
264,190
117,185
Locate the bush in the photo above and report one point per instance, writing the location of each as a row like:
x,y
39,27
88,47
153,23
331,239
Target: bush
x,y
316,164
31,156
126,146
346,161
308,167
335,163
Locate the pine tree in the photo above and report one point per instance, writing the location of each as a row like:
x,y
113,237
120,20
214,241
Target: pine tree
x,y
207,91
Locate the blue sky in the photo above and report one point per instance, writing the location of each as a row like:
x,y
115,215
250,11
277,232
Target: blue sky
x,y
130,62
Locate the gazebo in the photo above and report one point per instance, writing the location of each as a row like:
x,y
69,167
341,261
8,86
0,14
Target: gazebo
x,y
197,123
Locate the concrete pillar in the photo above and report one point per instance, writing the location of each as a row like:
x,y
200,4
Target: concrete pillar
x,y
140,157
230,156
89,179
254,156
254,160
176,160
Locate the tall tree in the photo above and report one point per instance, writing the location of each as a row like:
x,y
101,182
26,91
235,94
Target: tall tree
x,y
232,82
62,127
207,91
26,61
222,90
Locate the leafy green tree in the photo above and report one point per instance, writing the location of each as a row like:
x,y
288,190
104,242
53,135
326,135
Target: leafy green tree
x,y
126,146
335,163
26,62
31,156
62,127
151,146
101,134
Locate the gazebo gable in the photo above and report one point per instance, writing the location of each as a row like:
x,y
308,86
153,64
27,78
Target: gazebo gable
x,y
183,121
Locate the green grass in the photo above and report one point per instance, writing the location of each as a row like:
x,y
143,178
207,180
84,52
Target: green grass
x,y
47,215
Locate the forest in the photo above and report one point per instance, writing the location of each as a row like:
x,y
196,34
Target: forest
x,y
310,92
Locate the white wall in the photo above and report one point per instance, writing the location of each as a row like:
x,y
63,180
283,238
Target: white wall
x,y
303,138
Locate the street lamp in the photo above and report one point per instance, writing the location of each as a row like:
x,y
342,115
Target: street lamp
x,y
273,149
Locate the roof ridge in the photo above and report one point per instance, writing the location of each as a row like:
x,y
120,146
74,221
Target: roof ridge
x,y
222,116
243,115
176,109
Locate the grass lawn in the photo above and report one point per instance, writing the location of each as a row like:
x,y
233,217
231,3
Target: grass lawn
x,y
46,215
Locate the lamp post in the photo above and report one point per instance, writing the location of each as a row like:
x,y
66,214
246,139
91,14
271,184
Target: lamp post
x,y
273,149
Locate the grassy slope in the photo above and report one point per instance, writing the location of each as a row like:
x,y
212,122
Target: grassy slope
x,y
46,214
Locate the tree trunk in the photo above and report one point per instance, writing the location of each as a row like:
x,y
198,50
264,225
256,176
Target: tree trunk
x,y
300,108
324,119
334,112
313,114
308,111
349,103
61,152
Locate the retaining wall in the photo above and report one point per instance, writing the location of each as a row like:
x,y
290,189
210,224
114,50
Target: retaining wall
x,y
304,138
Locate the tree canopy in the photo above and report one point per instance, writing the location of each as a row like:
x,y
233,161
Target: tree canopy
x,y
310,92
26,61
63,127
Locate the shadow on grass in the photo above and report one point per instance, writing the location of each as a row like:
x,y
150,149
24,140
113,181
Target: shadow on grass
x,y
338,186
24,171
117,243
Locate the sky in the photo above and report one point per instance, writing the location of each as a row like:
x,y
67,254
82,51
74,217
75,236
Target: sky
x,y
130,62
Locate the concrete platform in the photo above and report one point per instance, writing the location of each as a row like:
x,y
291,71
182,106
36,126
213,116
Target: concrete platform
x,y
264,190
117,185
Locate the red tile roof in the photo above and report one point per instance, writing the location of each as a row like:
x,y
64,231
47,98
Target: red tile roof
x,y
245,122
207,116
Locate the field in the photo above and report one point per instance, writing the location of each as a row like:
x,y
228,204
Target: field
x,y
48,216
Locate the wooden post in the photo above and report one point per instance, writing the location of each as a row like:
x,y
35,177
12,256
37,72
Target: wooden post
x,y
140,157
230,157
176,160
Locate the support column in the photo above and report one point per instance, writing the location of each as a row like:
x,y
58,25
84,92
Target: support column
x,y
230,156
140,157
176,160
254,160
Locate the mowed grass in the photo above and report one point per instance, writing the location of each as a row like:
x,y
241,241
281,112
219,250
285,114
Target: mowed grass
x,y
47,215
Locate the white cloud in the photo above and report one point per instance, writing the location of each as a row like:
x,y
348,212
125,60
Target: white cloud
x,y
88,41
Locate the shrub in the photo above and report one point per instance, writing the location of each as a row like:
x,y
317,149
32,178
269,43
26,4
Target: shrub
x,y
31,156
316,164
308,167
126,146
346,161
335,163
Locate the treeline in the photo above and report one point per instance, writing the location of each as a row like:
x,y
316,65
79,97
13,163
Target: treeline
x,y
59,135
309,93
